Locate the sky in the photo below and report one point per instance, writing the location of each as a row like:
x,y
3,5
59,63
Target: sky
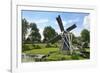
x,y
47,18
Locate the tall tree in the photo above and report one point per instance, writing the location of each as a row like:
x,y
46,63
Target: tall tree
x,y
35,35
49,33
74,40
25,27
85,34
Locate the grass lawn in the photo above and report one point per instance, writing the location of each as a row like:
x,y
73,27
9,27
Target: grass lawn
x,y
55,55
41,51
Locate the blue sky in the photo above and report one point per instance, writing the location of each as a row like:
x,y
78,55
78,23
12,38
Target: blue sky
x,y
45,18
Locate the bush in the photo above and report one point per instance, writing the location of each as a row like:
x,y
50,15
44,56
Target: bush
x,y
86,54
55,45
36,47
63,58
33,45
75,56
85,45
48,46
25,47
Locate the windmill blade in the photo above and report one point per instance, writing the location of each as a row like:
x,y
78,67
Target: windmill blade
x,y
60,23
56,38
71,27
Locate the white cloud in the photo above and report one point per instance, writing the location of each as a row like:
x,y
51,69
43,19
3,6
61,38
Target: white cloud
x,y
71,21
86,22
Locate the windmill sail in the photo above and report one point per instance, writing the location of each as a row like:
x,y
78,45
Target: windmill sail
x,y
71,28
56,38
60,23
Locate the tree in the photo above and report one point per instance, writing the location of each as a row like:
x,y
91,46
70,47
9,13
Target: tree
x,y
25,27
85,35
35,35
49,33
75,40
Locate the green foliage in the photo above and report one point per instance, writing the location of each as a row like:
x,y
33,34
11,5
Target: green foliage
x,y
24,28
41,51
56,56
35,35
75,56
83,40
51,45
85,34
56,45
53,54
74,39
36,47
48,46
85,44
28,41
25,48
49,33
86,53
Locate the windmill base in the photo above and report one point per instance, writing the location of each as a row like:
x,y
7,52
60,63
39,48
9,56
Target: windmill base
x,y
66,52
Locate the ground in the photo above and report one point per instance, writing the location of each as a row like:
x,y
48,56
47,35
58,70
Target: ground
x,y
51,53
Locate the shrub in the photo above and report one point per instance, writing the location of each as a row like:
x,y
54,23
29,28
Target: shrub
x,y
63,58
33,45
37,47
55,45
86,54
25,47
48,46
85,45
75,56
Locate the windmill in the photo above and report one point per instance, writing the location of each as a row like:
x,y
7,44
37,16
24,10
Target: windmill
x,y
65,36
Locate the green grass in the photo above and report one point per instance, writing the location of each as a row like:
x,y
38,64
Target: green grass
x,y
56,55
41,51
